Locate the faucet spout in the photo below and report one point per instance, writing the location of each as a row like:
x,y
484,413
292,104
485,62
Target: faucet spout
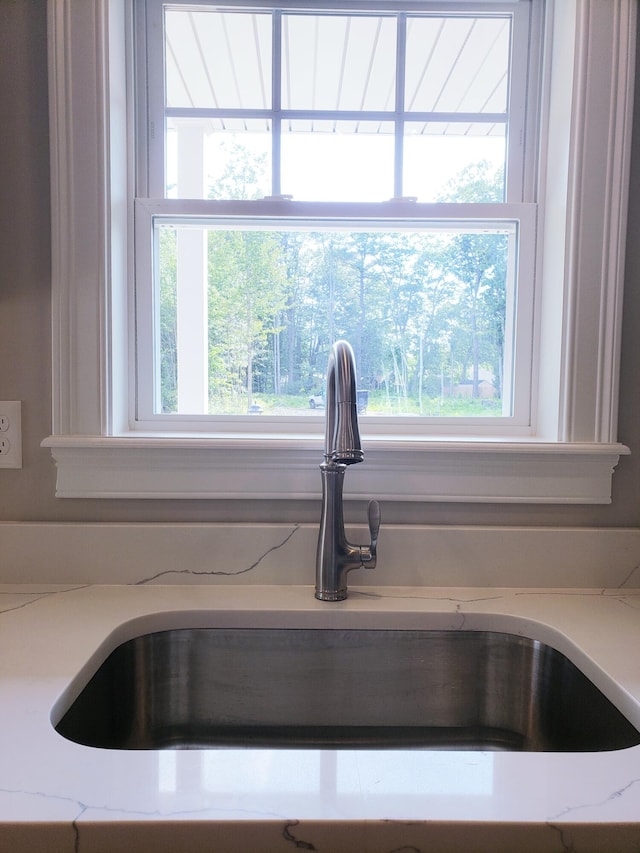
x,y
342,434
336,556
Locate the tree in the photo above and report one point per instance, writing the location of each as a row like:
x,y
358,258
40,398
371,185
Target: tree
x,y
243,175
168,321
416,305
478,261
246,283
246,293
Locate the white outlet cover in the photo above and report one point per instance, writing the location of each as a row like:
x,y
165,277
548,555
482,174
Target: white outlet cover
x,y
11,416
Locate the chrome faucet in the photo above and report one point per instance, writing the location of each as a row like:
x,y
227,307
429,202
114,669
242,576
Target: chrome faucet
x,y
335,555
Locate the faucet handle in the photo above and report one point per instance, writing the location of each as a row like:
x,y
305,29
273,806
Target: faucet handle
x,y
369,555
373,512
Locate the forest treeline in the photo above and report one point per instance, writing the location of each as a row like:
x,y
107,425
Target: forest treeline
x,y
424,310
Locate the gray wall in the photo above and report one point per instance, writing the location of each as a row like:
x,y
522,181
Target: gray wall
x,y
25,362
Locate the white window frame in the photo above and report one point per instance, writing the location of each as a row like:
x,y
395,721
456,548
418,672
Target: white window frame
x,y
583,180
521,216
518,208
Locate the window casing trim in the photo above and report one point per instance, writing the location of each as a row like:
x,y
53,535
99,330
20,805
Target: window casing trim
x,y
582,247
396,470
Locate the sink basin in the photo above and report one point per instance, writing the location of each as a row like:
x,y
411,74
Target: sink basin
x,y
468,690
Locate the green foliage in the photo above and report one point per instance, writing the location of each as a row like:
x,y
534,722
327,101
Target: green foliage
x,y
246,294
424,311
478,182
243,175
168,319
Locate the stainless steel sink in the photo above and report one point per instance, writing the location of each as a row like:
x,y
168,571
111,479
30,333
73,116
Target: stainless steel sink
x,y
196,688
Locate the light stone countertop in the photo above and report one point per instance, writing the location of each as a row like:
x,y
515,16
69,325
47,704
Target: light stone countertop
x,y
60,797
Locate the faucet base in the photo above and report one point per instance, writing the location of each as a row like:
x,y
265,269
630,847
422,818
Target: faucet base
x,y
331,595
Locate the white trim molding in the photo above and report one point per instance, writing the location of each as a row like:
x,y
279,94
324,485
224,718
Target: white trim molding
x,y
571,451
514,472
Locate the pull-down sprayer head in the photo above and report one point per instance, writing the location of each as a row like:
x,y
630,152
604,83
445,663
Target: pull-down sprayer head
x,y
342,435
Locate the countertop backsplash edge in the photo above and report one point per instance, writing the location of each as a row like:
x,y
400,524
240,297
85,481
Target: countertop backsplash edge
x,y
248,553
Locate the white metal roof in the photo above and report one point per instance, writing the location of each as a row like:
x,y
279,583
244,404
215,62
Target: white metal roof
x,y
219,63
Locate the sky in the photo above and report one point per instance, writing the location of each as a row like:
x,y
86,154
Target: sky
x,y
350,167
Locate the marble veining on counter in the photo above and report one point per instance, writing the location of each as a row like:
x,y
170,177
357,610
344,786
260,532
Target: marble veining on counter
x,y
151,554
60,797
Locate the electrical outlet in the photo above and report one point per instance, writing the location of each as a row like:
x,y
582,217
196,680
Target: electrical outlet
x,y
11,434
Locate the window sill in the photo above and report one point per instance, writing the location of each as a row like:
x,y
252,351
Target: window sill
x,y
481,471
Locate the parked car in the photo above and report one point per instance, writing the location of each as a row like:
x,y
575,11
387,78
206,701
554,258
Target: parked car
x,y
316,401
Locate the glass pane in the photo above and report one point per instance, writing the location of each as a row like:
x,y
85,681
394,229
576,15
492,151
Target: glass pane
x,y
338,62
215,159
427,310
217,59
457,64
440,164
338,161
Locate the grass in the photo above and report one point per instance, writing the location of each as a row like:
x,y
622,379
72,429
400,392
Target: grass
x,y
379,404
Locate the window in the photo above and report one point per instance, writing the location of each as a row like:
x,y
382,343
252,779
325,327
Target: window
x,y
279,119
552,435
